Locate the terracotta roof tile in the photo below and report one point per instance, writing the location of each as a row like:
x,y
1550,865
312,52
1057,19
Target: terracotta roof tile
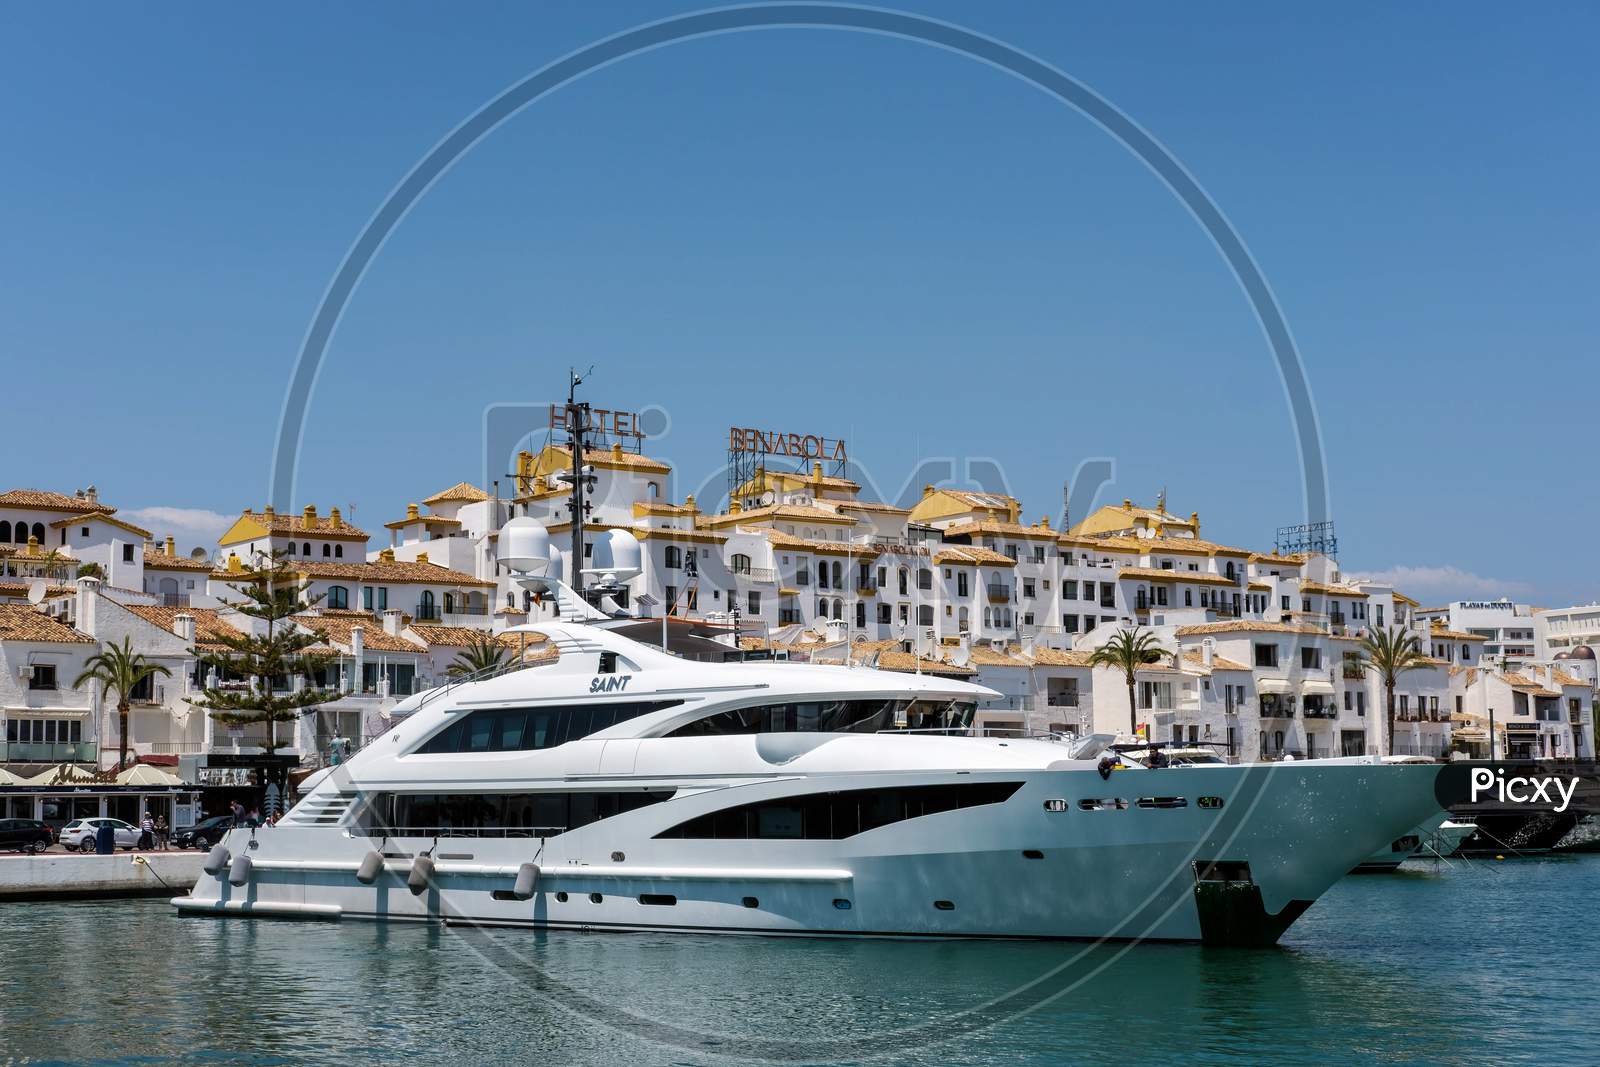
x,y
209,626
972,556
335,626
44,500
462,492
19,622
156,559
101,516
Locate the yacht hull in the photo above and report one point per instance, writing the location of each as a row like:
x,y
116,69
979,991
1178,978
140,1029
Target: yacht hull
x,y
1019,868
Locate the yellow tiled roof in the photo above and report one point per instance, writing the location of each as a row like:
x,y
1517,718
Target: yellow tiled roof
x,y
44,500
797,512
392,572
972,556
157,559
1156,574
1308,586
1438,630
464,492
1002,529
1247,626
19,622
253,524
1193,546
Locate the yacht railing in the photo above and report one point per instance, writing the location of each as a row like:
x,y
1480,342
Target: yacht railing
x,y
467,831
493,671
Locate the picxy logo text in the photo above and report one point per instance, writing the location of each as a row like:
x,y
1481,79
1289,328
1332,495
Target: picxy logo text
x,y
1523,790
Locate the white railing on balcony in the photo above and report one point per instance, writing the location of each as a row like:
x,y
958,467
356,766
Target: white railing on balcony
x,y
756,574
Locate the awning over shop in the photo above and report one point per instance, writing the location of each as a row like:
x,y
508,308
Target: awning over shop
x,y
1276,686
143,774
63,774
1471,734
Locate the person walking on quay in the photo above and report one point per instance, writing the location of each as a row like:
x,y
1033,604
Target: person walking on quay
x,y
147,832
162,832
238,812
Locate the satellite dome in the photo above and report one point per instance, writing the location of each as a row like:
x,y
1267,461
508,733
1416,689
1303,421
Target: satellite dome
x,y
1583,652
1563,655
525,546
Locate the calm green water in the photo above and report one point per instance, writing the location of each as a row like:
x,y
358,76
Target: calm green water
x,y
1475,963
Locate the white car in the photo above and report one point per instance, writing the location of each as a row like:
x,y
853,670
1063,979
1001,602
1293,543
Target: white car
x,y
79,833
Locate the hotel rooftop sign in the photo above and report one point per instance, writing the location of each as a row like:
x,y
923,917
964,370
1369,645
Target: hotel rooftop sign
x,y
619,424
793,445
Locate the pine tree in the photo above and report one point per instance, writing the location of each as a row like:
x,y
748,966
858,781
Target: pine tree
x,y
271,594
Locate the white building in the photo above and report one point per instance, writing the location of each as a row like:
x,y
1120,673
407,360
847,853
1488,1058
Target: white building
x,y
1508,628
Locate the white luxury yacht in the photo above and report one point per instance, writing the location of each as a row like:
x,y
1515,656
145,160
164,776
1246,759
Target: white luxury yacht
x,y
621,787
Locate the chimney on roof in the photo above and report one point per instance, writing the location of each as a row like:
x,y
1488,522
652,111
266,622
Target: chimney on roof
x,y
234,565
268,512
1549,672
927,490
386,555
92,495
391,621
358,645
1127,502
183,626
33,545
333,517
413,513
422,557
171,548
733,507
309,516
816,471
88,597
616,449
689,504
1208,651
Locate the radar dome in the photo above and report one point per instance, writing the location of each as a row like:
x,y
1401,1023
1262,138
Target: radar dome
x,y
525,546
1583,652
615,557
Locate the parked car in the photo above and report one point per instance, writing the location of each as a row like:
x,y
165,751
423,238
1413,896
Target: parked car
x,y
79,833
203,834
26,835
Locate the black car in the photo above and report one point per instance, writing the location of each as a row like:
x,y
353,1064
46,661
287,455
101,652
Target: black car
x,y
203,834
26,835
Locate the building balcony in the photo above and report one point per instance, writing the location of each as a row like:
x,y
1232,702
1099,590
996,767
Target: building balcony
x,y
754,575
47,752
1328,712
176,748
1062,700
999,594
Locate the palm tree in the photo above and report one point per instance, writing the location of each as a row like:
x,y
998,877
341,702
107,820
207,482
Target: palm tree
x,y
1127,652
482,653
119,668
1390,653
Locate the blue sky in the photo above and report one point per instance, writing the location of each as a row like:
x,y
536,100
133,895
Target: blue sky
x,y
829,233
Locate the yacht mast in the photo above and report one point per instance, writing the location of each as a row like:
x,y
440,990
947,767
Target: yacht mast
x,y
577,426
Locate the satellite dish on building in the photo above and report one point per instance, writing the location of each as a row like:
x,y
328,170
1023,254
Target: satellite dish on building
x,y
36,590
960,656
197,554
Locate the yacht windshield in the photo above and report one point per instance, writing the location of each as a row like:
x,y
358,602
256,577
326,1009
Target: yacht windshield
x,y
835,716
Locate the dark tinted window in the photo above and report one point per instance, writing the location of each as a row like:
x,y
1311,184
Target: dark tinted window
x,y
501,814
523,729
833,716
830,816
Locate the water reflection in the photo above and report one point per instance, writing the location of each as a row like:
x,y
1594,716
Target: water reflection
x,y
1421,967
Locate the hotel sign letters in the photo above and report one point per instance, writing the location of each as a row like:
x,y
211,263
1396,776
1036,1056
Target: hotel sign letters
x,y
794,445
601,420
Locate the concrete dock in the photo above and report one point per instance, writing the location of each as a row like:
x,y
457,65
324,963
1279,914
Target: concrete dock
x,y
66,876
